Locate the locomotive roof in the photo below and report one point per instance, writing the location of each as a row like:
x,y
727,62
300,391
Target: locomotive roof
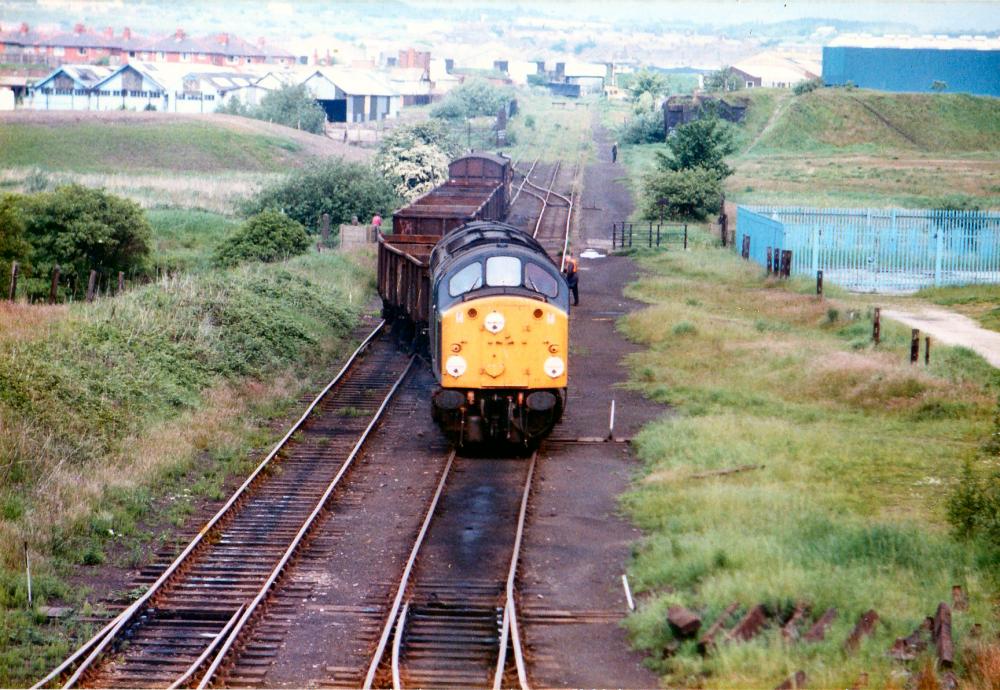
x,y
482,233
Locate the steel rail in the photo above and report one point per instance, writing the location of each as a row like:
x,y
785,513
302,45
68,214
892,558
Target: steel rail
x,y
99,642
545,201
193,668
524,181
404,580
301,534
397,642
509,625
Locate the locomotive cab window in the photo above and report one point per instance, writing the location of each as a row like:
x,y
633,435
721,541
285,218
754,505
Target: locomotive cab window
x,y
503,271
540,280
469,278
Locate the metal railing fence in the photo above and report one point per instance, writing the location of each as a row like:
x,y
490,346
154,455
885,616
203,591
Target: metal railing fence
x,y
877,250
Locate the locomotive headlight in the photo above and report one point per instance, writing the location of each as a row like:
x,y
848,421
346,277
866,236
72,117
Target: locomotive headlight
x,y
455,365
554,367
494,322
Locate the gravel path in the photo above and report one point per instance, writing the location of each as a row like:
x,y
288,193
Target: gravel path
x,y
951,328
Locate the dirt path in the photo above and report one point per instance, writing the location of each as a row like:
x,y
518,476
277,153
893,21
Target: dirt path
x,y
951,328
577,545
779,108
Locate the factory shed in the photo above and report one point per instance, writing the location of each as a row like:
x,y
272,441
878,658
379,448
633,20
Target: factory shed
x,y
69,87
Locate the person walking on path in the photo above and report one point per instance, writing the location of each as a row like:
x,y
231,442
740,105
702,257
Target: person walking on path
x,y
614,152
571,269
377,222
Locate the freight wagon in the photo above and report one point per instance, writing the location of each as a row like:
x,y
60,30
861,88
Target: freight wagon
x,y
478,188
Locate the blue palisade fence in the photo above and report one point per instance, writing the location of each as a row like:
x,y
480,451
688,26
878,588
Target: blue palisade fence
x,y
878,250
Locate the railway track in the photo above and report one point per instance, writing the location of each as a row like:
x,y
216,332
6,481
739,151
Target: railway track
x,y
453,621
553,221
196,613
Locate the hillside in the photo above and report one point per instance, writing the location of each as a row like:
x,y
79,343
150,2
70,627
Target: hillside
x,y
856,121
839,147
157,142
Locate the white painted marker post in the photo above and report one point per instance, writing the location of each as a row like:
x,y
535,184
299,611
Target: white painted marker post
x,y
611,422
628,593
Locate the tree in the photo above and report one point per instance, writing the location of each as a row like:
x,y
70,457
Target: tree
x,y
723,80
335,186
84,229
642,128
647,81
692,193
13,247
702,143
267,236
473,98
293,106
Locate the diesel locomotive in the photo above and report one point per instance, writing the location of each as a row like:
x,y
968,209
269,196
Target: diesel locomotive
x,y
488,303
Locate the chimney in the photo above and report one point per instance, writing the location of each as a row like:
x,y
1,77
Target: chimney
x,y
223,39
79,29
24,28
179,35
261,42
127,34
109,32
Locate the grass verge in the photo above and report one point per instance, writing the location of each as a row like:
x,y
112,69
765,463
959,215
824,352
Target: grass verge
x,y
185,239
855,453
979,302
120,416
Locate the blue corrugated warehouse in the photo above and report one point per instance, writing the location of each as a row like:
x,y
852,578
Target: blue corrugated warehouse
x,y
914,69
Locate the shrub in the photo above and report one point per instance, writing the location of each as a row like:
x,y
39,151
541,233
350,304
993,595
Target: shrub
x,y
12,244
83,229
691,193
804,87
335,186
414,159
267,236
529,121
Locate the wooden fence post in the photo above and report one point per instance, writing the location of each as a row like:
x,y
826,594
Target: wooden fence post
x,y
325,229
927,351
819,283
14,267
746,247
877,325
685,235
90,285
121,282
914,345
54,290
786,263
770,261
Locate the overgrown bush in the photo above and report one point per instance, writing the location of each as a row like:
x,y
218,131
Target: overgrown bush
x,y
473,98
267,236
83,229
292,106
804,87
642,128
335,186
702,143
12,244
414,159
692,193
974,504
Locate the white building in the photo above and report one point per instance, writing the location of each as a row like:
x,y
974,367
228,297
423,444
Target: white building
x,y
68,88
352,95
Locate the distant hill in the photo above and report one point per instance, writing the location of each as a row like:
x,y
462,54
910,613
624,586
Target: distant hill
x,y
120,141
859,121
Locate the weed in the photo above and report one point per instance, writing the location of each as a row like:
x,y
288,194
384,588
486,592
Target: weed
x,y
684,328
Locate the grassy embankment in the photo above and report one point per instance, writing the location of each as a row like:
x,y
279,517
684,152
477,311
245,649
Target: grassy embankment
x,y
856,452
856,449
116,417
834,147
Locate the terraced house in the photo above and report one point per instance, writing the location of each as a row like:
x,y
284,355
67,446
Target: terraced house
x,y
24,45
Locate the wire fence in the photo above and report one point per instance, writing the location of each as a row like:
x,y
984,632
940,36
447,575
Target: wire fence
x,y
876,250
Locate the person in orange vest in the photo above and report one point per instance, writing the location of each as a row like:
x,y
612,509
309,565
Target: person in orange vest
x,y
571,269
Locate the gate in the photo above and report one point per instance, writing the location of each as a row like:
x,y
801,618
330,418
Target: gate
x,y
625,234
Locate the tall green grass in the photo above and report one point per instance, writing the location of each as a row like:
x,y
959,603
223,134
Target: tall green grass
x,y
184,239
854,450
115,415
